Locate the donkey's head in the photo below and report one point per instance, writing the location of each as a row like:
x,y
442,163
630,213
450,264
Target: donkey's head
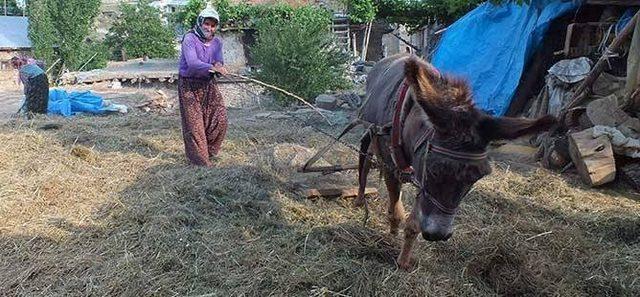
x,y
461,128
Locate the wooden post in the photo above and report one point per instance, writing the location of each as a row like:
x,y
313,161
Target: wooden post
x,y
593,157
355,45
633,71
365,42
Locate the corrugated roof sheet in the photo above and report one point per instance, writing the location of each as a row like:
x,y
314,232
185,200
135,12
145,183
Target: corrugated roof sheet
x,y
14,33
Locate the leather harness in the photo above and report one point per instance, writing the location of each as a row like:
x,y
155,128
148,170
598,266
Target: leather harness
x,y
405,169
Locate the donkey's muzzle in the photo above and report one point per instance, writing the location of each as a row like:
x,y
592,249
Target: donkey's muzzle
x,y
436,236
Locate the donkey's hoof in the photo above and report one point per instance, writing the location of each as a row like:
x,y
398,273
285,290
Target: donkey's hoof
x,y
358,202
405,264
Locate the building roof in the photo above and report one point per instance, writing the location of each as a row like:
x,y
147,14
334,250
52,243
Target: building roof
x,y
14,33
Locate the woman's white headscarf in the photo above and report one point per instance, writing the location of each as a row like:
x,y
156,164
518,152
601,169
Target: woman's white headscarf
x,y
199,30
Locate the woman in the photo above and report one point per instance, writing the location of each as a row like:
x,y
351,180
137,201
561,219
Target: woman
x,y
36,85
204,116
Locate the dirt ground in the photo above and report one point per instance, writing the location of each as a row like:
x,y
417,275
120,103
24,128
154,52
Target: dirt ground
x,y
106,205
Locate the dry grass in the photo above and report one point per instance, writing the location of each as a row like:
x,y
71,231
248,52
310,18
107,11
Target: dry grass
x,y
107,206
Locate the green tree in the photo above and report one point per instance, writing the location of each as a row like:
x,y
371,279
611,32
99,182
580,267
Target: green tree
x,y
415,14
189,13
235,15
362,11
298,53
140,31
12,8
59,29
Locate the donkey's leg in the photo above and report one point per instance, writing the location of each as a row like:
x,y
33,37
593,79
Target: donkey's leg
x,y
411,231
395,212
364,164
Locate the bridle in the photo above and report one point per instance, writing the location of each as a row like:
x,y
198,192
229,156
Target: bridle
x,y
425,141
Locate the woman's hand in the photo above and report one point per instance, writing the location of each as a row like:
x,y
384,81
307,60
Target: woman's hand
x,y
220,68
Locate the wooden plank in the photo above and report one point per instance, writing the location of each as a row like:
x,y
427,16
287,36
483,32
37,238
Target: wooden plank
x,y
335,192
593,157
614,2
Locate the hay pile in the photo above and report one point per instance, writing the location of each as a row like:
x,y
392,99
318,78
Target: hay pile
x,y
107,206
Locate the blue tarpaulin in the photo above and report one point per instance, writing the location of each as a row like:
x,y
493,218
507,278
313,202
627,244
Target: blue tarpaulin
x,y
67,104
491,45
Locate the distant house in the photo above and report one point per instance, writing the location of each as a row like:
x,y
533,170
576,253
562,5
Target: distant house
x,y
14,38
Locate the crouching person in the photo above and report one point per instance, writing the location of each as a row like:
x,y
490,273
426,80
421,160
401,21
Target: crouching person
x,y
36,85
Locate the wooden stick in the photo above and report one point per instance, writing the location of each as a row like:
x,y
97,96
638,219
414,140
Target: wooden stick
x,y
320,153
85,64
365,42
329,169
633,101
284,92
541,234
343,193
51,67
582,92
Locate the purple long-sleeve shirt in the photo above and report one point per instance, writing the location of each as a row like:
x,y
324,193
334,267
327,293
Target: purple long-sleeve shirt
x,y
197,58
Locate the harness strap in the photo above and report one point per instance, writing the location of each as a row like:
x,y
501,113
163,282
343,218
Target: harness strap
x,y
438,205
397,152
458,155
428,135
406,171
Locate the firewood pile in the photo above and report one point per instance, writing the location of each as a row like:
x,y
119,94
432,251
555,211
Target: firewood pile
x,y
159,103
599,130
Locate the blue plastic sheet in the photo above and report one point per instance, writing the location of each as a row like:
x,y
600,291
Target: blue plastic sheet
x,y
625,19
491,45
67,104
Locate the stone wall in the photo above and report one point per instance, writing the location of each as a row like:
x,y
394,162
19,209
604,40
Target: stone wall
x,y
234,50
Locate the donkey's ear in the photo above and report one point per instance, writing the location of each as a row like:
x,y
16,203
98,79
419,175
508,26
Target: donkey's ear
x,y
495,128
427,94
420,78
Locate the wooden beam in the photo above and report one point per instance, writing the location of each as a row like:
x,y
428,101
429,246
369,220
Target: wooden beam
x,y
343,193
614,2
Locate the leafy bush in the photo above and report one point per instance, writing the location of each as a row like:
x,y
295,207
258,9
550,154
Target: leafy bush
x,y
232,15
59,29
297,53
139,31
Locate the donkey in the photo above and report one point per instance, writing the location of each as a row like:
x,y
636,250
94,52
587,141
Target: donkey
x,y
443,139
